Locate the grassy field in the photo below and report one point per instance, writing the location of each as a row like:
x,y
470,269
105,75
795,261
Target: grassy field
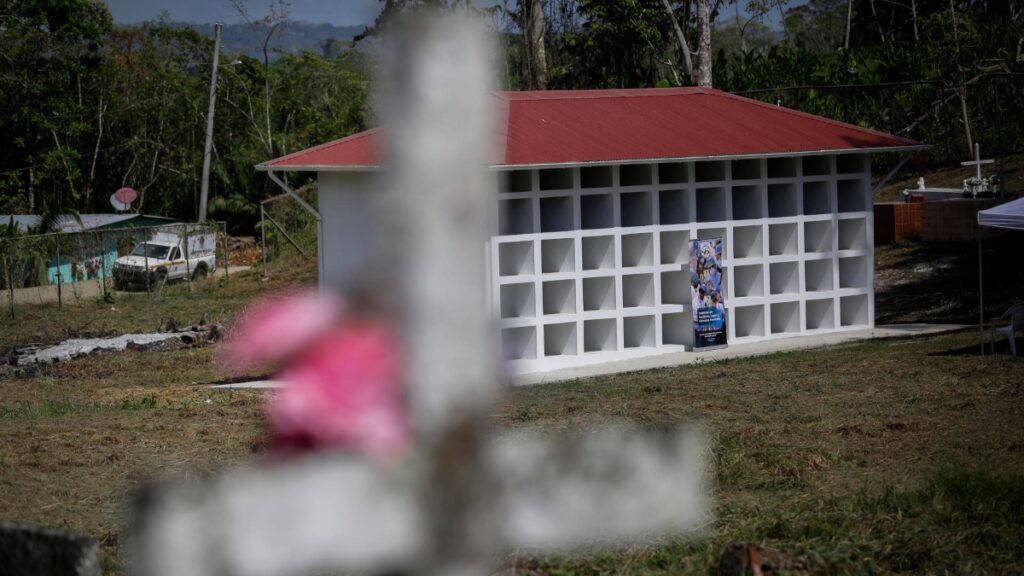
x,y
895,456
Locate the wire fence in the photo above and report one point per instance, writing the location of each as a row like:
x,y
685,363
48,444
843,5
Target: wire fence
x,y
288,236
68,267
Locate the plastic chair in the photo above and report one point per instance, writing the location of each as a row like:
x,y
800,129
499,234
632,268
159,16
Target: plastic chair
x,y
1015,315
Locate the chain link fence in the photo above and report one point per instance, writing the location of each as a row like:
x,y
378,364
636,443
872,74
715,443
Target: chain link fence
x,y
69,267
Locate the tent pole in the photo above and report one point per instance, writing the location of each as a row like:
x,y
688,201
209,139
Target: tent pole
x,y
981,294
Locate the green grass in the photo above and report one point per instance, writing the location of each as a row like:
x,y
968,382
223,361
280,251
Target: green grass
x,y
901,456
65,407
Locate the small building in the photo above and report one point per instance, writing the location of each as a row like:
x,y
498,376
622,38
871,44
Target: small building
x,y
87,256
601,192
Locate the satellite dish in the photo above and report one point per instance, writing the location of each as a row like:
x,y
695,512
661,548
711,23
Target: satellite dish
x,y
126,195
117,204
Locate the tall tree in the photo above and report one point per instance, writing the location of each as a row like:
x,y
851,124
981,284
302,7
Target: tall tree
x,y
704,43
536,37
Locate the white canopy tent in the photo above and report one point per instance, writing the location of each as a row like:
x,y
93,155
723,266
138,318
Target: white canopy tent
x,y
1009,216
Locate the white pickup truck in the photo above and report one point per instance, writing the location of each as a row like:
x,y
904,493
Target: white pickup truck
x,y
163,258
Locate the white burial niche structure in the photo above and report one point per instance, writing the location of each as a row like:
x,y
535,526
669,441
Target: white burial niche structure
x,y
599,194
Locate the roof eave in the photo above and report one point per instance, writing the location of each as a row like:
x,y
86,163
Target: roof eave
x,y
372,168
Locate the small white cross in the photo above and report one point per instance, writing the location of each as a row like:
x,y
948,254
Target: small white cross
x,y
463,496
977,162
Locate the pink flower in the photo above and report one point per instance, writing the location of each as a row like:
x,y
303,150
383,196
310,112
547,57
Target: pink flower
x,y
275,328
341,376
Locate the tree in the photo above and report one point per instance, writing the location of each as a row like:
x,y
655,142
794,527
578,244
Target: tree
x,y
704,44
50,51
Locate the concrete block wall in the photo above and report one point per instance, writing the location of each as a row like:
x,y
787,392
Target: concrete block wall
x,y
591,264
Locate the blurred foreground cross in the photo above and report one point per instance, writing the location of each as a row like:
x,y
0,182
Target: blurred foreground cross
x,y
462,496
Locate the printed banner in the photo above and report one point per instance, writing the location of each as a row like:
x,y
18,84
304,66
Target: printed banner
x,y
707,297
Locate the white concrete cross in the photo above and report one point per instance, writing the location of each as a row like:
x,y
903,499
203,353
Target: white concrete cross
x,y
463,496
977,162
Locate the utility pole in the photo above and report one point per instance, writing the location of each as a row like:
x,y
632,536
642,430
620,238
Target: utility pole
x,y
205,190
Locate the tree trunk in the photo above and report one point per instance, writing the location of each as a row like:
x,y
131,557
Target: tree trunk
x,y
913,11
537,30
704,44
681,38
849,18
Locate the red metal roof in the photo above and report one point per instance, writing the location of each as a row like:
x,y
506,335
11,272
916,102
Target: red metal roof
x,y
574,127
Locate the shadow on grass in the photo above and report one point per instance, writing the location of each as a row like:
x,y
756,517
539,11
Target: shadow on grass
x,y
938,282
1002,347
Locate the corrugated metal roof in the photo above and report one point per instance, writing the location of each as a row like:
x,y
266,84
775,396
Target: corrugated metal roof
x,y
68,223
22,221
576,127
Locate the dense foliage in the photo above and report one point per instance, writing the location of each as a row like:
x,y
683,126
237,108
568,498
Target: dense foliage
x,y
87,107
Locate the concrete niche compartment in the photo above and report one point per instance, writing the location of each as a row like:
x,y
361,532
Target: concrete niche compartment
x,y
711,205
782,200
559,297
638,331
749,321
673,173
516,216
636,209
747,242
557,255
556,179
818,236
597,211
820,315
746,202
634,174
853,234
673,207
818,275
817,166
560,339
675,247
599,293
784,278
782,240
748,169
556,214
599,335
598,252
853,272
516,181
518,301
596,177
784,167
677,329
637,290
749,281
853,310
675,287
851,196
515,258
817,198
710,171
519,343
786,318
637,250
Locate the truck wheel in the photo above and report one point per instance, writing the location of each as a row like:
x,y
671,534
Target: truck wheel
x,y
161,278
200,272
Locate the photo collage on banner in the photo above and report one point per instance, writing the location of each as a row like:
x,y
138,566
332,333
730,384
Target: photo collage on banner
x,y
707,296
